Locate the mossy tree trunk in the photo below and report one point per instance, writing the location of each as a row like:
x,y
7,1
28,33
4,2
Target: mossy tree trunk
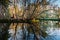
x,y
3,15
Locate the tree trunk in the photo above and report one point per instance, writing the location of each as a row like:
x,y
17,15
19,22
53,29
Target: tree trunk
x,y
3,26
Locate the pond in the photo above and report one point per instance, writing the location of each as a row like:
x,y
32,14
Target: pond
x,y
53,35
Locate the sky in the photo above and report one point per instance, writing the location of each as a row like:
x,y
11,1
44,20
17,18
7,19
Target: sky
x,y
57,3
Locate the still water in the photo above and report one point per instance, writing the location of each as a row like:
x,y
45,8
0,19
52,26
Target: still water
x,y
53,35
50,27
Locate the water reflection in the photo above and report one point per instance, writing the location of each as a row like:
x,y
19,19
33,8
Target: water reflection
x,y
53,35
